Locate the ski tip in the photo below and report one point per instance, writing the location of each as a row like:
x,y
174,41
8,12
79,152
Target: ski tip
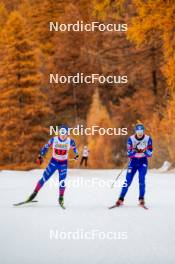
x,y
17,204
114,206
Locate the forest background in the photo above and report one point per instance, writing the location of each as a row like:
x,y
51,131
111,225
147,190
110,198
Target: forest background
x,y
29,52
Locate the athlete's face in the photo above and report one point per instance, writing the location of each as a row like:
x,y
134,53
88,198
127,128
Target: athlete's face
x,y
63,133
139,133
63,137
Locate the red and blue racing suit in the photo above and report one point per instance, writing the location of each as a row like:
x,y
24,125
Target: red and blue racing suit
x,y
58,161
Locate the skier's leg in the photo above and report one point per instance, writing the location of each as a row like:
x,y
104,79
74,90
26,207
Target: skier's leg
x,y
129,177
81,162
62,177
86,162
142,173
46,175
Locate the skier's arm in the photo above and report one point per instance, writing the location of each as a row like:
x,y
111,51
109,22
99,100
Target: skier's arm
x,y
46,147
148,152
75,150
43,152
130,150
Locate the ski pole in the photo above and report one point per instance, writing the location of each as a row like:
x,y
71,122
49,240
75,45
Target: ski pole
x,y
120,173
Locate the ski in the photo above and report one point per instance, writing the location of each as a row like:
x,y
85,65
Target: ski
x,y
114,206
144,207
25,202
62,206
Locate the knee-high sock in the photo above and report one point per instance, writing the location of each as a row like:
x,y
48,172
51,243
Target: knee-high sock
x,y
62,177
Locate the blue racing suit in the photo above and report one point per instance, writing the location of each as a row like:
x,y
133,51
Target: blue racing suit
x,y
138,150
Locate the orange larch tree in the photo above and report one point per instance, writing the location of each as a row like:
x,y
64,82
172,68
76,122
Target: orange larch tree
x,y
24,112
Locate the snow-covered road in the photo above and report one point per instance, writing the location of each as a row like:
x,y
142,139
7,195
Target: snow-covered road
x,y
86,232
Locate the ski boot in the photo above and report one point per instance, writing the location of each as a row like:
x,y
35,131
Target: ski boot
x,y
142,203
61,201
32,196
119,202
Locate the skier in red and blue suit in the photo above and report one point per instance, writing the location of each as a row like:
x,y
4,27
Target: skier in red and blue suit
x,y
60,145
139,149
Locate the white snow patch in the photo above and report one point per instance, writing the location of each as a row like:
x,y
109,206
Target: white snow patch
x,y
165,167
25,230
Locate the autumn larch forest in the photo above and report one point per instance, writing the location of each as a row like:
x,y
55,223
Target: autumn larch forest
x,y
29,52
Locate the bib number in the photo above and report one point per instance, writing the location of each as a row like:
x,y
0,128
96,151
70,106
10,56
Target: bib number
x,y
60,152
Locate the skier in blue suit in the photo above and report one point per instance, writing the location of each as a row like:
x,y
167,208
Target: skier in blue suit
x,y
60,148
139,149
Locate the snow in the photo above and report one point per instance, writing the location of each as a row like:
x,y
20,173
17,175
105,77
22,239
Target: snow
x,y
28,233
165,167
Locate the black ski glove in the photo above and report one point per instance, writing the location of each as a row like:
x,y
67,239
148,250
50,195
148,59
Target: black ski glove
x,y
76,157
39,160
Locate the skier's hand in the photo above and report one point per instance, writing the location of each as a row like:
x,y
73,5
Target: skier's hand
x,y
140,148
143,150
39,160
76,157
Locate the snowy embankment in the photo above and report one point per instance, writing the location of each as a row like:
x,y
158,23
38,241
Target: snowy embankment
x,y
86,232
